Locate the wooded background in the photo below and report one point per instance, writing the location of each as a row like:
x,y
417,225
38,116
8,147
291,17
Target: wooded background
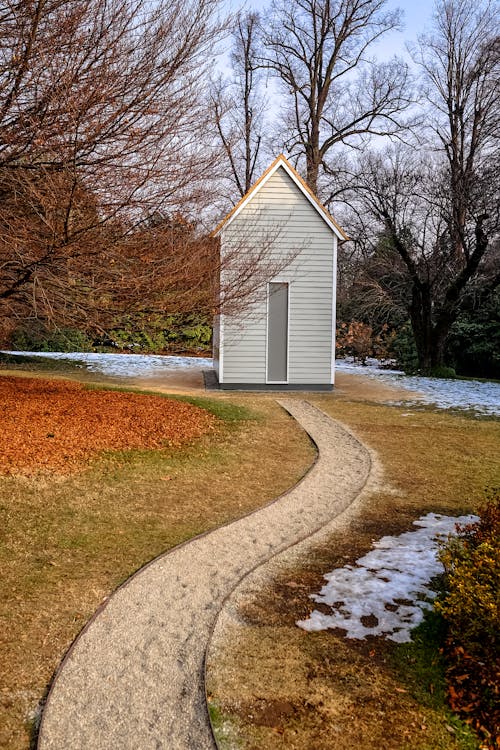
x,y
121,141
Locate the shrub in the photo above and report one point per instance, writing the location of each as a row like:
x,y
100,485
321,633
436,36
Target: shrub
x,y
405,350
36,337
172,333
354,340
359,340
471,609
443,372
474,342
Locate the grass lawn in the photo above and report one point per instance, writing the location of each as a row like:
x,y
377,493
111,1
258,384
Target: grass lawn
x,y
278,686
67,541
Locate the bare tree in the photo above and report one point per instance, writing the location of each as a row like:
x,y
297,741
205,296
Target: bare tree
x,y
431,245
238,105
319,50
432,215
190,274
101,123
460,61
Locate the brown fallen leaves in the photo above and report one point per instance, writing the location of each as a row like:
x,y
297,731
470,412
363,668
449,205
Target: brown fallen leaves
x,y
470,606
474,693
57,425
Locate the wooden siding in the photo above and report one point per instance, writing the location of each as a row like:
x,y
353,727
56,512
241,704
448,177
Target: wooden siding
x,y
280,212
216,345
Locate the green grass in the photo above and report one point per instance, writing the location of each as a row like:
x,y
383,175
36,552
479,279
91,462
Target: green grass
x,y
225,410
222,728
420,666
39,364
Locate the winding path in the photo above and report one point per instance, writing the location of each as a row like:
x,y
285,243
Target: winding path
x,y
134,678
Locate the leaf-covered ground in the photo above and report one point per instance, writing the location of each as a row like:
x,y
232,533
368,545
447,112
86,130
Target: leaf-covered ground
x,y
57,425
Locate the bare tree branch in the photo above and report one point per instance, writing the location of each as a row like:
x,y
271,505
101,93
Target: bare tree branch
x,y
238,105
103,123
318,50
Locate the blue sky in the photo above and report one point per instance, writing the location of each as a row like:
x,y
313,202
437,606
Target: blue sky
x,y
417,15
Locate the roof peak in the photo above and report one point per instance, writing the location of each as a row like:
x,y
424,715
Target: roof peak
x,y
281,160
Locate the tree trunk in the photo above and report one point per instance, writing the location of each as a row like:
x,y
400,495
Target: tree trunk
x,y
430,351
313,159
438,349
421,323
430,339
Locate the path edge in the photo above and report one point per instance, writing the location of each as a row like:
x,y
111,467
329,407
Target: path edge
x,y
372,475
37,738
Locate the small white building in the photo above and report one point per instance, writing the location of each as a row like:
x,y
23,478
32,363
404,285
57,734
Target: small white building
x,y
284,339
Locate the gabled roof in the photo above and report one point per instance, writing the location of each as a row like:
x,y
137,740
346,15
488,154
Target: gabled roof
x,y
281,161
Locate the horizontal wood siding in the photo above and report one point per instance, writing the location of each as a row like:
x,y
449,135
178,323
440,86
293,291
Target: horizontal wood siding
x,y
244,348
279,213
216,344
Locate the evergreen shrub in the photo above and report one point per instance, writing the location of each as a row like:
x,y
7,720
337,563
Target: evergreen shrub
x,y
470,606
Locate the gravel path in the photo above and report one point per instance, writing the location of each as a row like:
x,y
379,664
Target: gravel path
x,y
134,678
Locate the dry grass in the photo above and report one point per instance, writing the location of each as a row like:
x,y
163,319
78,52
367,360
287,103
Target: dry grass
x,y
281,687
67,542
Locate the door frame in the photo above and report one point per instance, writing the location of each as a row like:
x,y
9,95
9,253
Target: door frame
x,y
287,282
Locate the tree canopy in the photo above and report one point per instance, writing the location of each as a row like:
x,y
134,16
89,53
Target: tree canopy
x,y
116,136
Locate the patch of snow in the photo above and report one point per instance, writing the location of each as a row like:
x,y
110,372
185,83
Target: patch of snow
x,y
390,583
441,392
126,365
372,366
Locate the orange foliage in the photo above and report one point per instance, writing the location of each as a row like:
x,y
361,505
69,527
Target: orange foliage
x,y
56,426
358,340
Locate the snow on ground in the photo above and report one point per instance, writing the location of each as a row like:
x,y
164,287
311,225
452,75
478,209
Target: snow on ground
x,y
443,393
126,365
389,586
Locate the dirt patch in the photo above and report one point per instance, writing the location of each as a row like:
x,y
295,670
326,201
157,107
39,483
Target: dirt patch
x,y
57,426
281,687
364,388
321,692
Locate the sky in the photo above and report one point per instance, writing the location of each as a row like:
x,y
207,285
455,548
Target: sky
x,y
416,15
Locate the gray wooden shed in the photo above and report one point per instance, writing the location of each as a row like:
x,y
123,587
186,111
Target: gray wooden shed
x,y
285,339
